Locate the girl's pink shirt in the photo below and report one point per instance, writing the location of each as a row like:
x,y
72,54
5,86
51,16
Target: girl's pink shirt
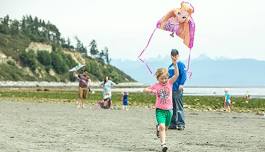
x,y
163,94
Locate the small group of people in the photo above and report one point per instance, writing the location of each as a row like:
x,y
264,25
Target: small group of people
x,y
107,84
84,88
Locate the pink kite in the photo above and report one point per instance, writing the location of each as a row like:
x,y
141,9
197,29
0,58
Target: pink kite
x,y
179,22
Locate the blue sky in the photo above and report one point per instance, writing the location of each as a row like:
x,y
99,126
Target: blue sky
x,y
224,28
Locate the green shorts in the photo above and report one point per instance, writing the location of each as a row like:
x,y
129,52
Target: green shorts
x,y
163,116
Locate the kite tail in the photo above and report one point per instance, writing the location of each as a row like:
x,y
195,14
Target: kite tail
x,y
189,72
139,57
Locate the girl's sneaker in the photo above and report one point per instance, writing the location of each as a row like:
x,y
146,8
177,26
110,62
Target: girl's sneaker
x,y
164,147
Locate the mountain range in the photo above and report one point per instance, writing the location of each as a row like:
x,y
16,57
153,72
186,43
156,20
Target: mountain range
x,y
205,71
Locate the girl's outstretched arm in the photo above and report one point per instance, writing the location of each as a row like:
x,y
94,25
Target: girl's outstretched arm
x,y
113,83
149,90
176,70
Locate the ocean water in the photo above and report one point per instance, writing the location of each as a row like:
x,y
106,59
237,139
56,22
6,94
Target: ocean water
x,y
257,92
236,91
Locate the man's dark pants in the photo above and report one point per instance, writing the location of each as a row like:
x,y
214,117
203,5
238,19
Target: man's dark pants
x,y
178,119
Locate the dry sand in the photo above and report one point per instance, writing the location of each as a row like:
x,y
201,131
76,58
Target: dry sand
x,y
61,127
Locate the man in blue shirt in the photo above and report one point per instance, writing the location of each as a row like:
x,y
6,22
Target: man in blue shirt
x,y
177,121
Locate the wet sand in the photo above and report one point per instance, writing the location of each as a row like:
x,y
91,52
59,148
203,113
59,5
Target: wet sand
x,y
61,127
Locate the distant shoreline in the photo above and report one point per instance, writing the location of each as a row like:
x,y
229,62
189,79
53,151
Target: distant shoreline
x,y
26,84
253,91
235,86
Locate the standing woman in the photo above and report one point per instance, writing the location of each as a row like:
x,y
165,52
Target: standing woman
x,y
107,84
84,83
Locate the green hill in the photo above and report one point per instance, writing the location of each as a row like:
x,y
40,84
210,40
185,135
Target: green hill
x,y
33,50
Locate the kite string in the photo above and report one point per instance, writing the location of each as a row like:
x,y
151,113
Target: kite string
x,y
149,69
139,57
188,66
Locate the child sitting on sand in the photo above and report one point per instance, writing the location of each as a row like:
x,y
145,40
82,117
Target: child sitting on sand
x,y
163,91
227,101
106,103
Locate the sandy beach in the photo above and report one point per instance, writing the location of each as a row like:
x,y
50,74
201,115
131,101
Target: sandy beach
x,y
61,127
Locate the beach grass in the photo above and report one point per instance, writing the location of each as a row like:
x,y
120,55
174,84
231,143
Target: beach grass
x,y
210,103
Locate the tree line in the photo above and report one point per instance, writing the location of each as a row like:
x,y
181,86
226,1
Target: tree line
x,y
38,30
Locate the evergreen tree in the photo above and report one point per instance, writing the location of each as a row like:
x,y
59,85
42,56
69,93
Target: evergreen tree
x,y
100,57
68,44
14,27
106,54
4,28
79,46
78,43
93,48
102,54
